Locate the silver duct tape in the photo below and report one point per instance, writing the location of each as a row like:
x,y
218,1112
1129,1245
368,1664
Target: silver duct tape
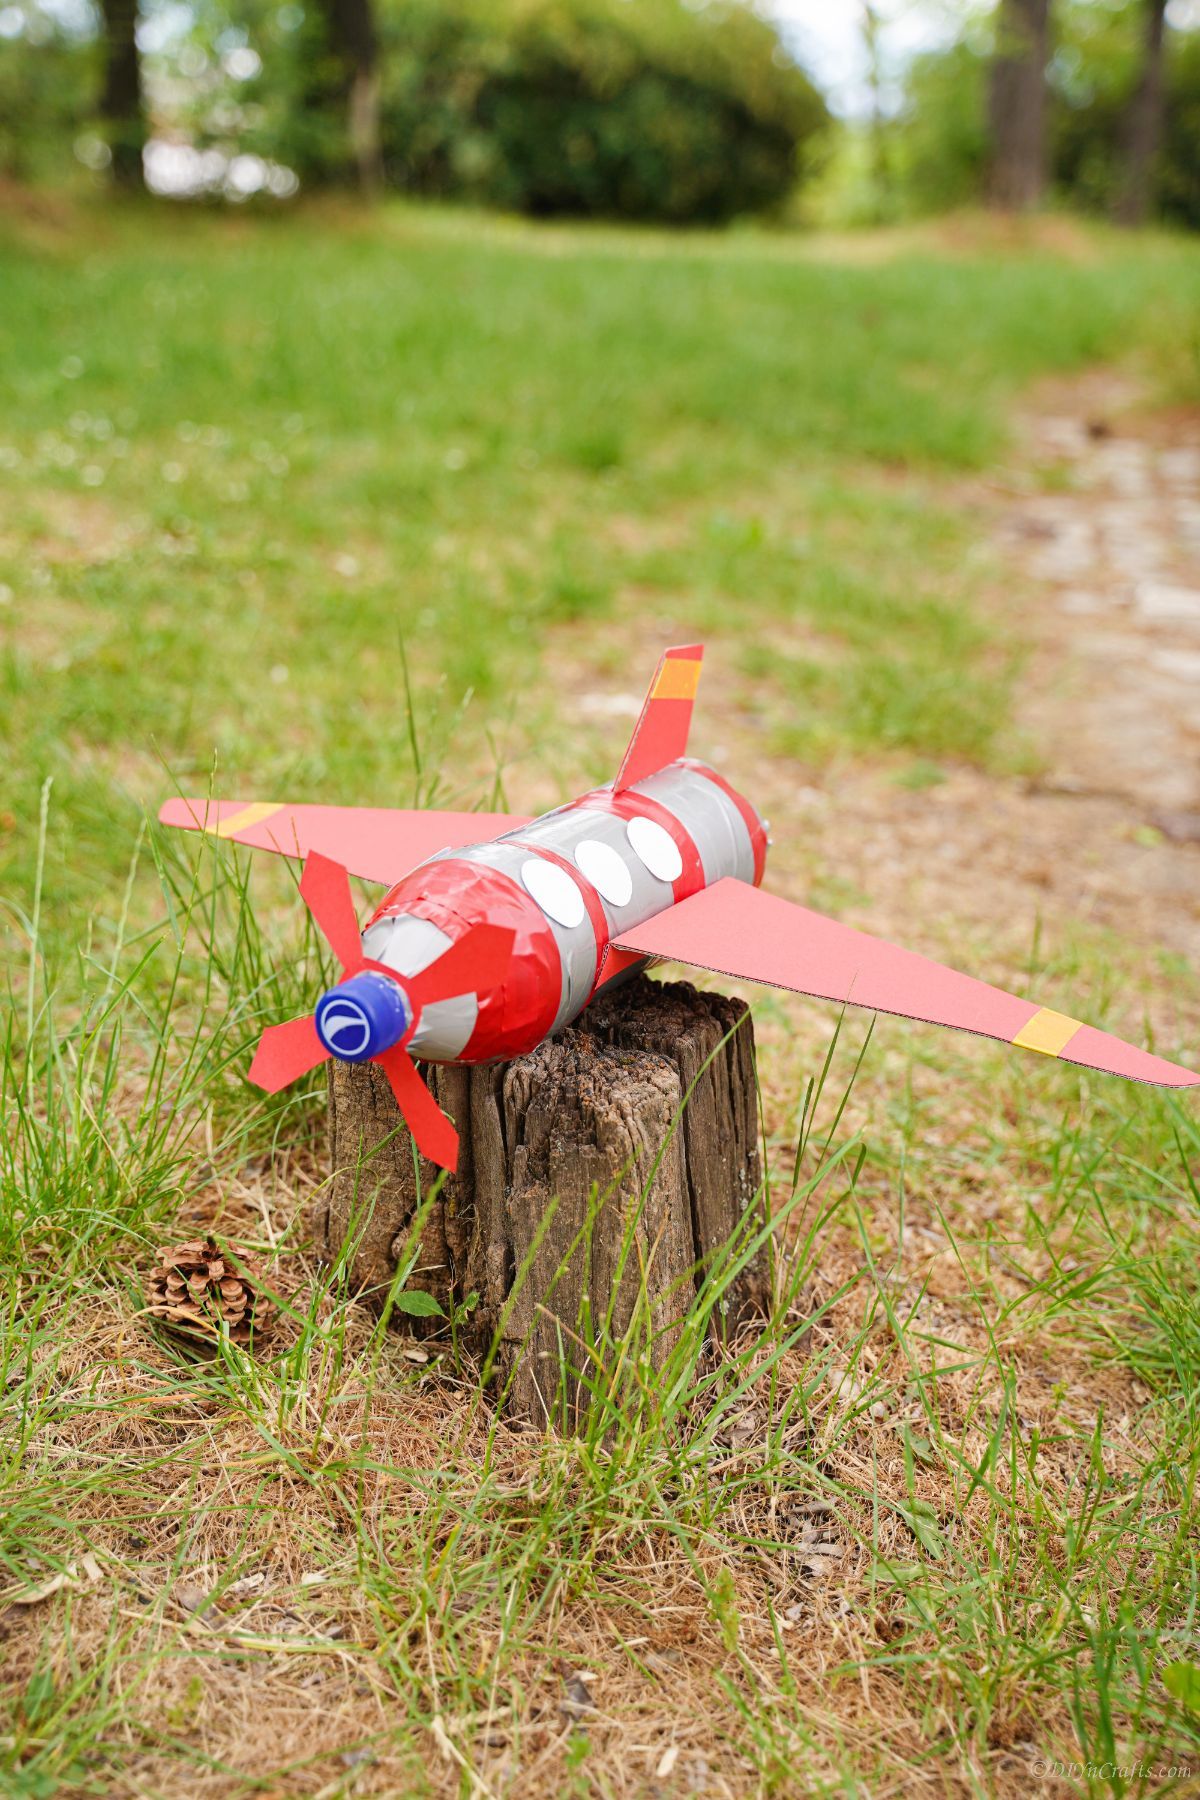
x,y
404,943
408,945
564,831
703,810
445,1028
709,817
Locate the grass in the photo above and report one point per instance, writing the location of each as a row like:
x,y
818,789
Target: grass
x,y
932,1532
241,460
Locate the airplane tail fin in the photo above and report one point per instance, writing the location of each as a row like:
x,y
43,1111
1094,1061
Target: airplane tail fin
x,y
661,733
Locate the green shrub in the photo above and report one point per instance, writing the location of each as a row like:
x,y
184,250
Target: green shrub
x,y
1094,74
1179,164
942,137
47,81
646,110
1089,123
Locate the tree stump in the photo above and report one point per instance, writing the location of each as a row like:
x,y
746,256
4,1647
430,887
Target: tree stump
x,y
587,1191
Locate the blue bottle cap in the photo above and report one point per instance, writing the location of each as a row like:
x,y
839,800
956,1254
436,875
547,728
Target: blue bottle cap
x,y
361,1017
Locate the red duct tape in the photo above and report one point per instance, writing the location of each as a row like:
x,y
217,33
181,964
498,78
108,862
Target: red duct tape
x,y
518,1006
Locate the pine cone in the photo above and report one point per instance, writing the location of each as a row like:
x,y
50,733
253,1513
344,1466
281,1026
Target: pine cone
x,y
195,1289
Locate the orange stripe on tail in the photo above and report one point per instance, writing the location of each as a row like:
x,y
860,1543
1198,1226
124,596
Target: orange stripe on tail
x,y
661,733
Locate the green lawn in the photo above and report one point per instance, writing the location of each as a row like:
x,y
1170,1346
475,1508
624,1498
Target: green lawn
x,y
233,450
260,477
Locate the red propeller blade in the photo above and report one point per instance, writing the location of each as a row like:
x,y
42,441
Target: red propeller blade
x,y
325,890
433,1133
285,1052
464,968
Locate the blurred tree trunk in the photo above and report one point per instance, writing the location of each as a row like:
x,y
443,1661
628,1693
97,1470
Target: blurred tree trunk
x,y
1017,104
1144,122
881,175
354,50
121,96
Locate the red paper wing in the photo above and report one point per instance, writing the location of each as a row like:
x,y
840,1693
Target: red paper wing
x,y
373,842
735,929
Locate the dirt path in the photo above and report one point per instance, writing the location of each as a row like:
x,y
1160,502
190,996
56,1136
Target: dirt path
x,y
1107,595
1112,698
1106,838
1119,556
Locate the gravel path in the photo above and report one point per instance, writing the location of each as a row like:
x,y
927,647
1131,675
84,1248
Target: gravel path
x,y
1118,555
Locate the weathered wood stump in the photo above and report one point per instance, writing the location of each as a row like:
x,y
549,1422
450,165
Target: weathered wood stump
x,y
585,1184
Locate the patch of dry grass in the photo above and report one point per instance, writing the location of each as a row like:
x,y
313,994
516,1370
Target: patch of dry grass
x,y
918,1535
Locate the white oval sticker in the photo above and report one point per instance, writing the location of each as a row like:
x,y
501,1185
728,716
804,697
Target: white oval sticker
x,y
557,893
602,866
656,848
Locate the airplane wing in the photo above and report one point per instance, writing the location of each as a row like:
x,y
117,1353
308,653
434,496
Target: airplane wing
x,y
373,842
735,929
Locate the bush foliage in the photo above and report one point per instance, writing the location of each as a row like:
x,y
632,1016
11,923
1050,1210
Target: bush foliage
x,y
677,110
647,111
47,79
1088,150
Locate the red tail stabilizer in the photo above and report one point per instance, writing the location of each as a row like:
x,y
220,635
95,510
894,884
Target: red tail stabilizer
x,y
661,733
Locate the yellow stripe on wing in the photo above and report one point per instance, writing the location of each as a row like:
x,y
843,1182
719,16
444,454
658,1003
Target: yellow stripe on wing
x,y
242,821
1047,1031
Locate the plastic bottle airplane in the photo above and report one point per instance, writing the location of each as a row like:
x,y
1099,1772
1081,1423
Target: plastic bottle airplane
x,y
499,929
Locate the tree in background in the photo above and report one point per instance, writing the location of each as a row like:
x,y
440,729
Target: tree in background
x,y
1017,104
121,111
879,134
1120,90
1097,80
1143,131
343,86
666,109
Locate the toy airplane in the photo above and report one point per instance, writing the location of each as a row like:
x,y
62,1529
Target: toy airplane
x,y
504,928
